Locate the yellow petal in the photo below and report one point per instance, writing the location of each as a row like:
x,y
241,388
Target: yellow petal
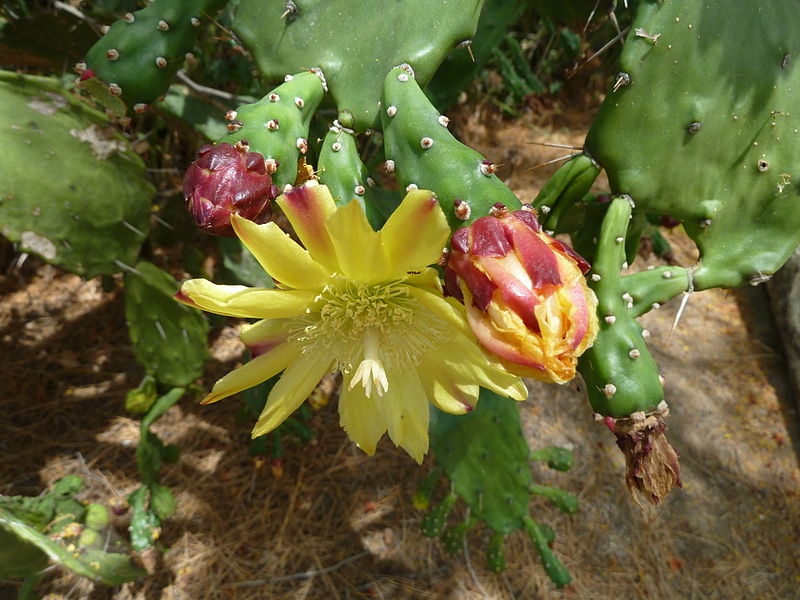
x,y
358,247
405,411
292,389
280,256
415,233
242,301
360,418
264,335
446,394
448,310
467,363
307,209
253,372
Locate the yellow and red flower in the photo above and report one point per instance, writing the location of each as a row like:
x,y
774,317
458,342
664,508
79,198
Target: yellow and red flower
x,y
525,294
359,301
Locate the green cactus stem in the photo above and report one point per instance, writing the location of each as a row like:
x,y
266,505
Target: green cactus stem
x,y
353,44
554,568
568,185
277,125
139,55
424,154
622,379
340,168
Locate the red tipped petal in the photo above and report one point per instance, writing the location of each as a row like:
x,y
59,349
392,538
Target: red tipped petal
x,y
489,238
535,255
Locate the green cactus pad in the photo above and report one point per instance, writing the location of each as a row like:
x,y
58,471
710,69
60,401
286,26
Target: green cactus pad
x,y
434,522
277,125
495,556
620,374
25,548
557,458
169,338
425,154
141,52
493,476
355,42
71,189
340,168
703,126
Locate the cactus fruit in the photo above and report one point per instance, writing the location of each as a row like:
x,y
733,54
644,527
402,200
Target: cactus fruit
x,y
424,154
277,125
718,152
354,49
55,153
140,54
168,339
228,179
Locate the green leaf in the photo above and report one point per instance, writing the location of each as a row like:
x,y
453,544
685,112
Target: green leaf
x,y
169,339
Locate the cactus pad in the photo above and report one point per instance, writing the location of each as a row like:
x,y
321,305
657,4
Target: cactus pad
x,y
703,126
71,189
277,125
140,54
426,155
169,339
355,42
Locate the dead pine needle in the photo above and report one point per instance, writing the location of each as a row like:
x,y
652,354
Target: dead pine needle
x,y
302,576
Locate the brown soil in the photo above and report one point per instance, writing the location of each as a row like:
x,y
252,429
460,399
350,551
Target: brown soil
x,y
339,524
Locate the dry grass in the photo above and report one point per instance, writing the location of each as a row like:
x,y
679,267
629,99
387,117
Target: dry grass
x,y
340,525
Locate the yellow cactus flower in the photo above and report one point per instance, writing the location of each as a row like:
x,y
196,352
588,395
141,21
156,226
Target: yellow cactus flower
x,y
363,302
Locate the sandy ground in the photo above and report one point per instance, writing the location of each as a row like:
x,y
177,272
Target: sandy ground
x,y
338,524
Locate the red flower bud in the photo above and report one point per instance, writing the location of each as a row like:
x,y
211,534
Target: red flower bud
x,y
526,298
228,179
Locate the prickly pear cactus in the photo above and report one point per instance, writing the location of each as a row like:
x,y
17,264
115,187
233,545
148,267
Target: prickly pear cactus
x,y
486,457
140,54
56,528
277,125
169,339
71,189
424,154
353,47
701,125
